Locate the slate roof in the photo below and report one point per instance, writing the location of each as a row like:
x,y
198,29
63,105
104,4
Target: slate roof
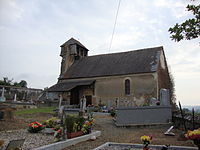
x,y
132,62
73,41
68,85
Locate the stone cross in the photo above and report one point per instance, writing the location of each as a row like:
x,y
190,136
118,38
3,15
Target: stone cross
x,y
60,101
2,98
3,90
15,98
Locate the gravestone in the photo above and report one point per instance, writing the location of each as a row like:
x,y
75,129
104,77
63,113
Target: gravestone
x,y
164,97
48,131
15,144
2,98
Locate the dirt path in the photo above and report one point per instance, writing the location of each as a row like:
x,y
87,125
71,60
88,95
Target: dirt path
x,y
111,133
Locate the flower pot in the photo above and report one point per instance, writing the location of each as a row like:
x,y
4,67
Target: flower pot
x,y
74,134
145,148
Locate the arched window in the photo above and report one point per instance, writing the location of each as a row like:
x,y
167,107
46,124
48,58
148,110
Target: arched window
x,y
127,87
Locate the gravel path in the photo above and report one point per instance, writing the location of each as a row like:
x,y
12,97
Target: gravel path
x,y
32,140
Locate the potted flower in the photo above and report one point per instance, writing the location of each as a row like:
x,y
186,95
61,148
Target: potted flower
x,y
195,136
87,127
74,124
50,123
35,127
146,141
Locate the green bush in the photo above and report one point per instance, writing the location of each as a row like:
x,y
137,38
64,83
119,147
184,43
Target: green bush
x,y
74,123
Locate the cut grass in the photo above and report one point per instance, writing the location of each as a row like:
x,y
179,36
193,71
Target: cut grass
x,y
35,110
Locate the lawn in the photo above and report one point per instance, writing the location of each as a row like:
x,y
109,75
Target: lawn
x,y
35,110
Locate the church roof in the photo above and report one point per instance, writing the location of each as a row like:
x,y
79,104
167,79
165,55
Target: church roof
x,y
131,62
68,85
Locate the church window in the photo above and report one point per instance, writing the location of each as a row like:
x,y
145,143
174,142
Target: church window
x,y
127,87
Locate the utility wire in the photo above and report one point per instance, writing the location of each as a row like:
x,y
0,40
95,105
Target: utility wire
x,y
114,25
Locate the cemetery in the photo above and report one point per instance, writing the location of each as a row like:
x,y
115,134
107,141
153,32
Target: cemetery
x,y
128,107
67,128
151,126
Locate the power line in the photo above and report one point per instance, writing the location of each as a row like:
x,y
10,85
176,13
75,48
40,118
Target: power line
x,y
114,25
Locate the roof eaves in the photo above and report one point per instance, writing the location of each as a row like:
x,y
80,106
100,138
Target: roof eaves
x,y
108,75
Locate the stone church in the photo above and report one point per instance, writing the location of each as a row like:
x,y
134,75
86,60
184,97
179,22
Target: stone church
x,y
129,78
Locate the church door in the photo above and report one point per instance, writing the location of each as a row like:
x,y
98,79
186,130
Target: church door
x,y
74,98
88,100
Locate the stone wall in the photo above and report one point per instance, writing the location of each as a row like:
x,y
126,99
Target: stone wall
x,y
111,90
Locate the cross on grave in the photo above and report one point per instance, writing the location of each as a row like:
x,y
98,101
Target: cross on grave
x,y
62,121
15,98
2,98
60,101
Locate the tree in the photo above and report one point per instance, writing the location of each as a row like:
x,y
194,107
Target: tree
x,y
172,91
6,81
23,83
16,84
190,29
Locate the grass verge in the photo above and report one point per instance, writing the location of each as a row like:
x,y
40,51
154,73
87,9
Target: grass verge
x,y
35,110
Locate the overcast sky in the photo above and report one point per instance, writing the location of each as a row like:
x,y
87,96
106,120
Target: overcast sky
x,y
31,32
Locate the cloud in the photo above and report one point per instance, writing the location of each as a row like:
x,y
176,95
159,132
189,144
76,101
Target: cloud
x,y
32,31
10,11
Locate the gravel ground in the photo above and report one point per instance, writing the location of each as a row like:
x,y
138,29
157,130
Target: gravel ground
x,y
123,148
32,140
111,133
103,123
17,129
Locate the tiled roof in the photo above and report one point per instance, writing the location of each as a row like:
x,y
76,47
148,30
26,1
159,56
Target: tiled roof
x,y
68,85
132,62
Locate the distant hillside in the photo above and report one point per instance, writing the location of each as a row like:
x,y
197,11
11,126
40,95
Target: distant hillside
x,y
196,108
